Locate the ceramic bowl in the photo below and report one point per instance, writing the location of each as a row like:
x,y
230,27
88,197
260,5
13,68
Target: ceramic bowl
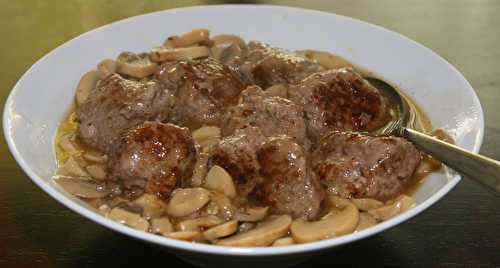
x,y
41,98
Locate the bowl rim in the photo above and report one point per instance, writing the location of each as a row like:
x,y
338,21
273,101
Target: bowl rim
x,y
223,250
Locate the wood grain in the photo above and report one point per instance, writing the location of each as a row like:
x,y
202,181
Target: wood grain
x,y
462,230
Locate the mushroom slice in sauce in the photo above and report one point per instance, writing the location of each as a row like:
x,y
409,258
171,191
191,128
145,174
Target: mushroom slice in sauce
x,y
198,223
128,218
81,187
151,205
251,214
106,67
262,235
338,222
393,208
219,180
185,201
222,230
170,54
161,226
135,65
193,37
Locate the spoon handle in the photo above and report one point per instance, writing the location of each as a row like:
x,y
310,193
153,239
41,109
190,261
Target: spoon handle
x,y
482,169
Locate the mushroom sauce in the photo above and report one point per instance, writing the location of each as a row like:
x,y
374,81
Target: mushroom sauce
x,y
212,204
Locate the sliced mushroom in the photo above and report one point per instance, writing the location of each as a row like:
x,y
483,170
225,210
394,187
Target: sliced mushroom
x,y
207,145
170,54
326,59
80,160
72,167
278,90
128,218
104,209
207,43
391,209
198,223
211,208
168,43
262,235
403,201
135,65
81,187
222,230
205,133
161,226
366,204
190,38
106,67
228,38
118,201
251,214
86,84
245,227
152,206
96,171
207,136
365,220
186,201
185,235
200,169
226,54
95,157
67,144
335,223
285,241
227,46
219,180
225,208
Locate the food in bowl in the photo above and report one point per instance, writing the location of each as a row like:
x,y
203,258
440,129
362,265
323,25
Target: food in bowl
x,y
216,140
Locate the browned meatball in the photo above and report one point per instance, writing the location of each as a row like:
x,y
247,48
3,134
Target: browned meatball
x,y
355,165
116,105
237,154
265,66
204,88
338,100
272,115
153,156
290,186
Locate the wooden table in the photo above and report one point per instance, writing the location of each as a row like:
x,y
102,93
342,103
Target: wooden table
x,y
462,230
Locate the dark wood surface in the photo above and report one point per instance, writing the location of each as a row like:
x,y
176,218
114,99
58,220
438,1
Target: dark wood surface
x,y
462,230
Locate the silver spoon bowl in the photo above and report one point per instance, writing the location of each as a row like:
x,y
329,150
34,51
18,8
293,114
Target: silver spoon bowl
x,y
474,166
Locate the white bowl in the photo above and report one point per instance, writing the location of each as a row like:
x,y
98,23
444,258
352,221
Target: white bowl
x,y
42,96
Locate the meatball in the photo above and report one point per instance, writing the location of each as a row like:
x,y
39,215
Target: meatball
x,y
117,104
338,100
290,186
355,165
204,88
265,66
237,154
154,157
272,115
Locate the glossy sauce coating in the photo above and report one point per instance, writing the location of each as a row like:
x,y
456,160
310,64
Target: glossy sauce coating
x,y
338,100
290,187
155,156
204,89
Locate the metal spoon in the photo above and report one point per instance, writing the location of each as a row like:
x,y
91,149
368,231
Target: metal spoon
x,y
482,169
